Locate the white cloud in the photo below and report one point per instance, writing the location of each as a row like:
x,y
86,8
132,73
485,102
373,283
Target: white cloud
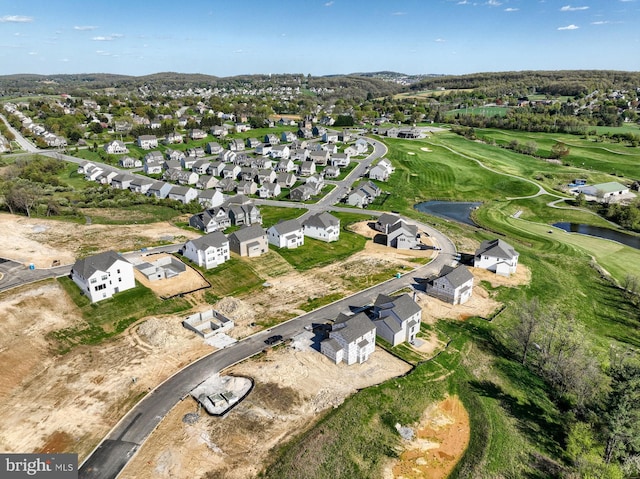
x,y
107,38
398,14
84,28
328,4
569,8
510,9
65,60
569,27
16,19
439,40
601,22
494,3
33,53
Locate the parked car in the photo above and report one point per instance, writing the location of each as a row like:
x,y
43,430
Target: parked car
x,y
271,340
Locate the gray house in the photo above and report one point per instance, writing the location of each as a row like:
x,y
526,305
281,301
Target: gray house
x,y
352,339
249,241
403,236
454,285
397,318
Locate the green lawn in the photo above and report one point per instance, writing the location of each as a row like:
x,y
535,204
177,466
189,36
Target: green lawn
x,y
110,317
272,214
315,253
235,277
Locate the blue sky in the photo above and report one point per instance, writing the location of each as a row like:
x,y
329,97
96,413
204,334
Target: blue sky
x,y
232,37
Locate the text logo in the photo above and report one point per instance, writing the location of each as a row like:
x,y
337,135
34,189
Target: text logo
x,y
46,466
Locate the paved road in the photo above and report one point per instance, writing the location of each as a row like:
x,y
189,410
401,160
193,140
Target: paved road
x,y
122,442
115,451
25,144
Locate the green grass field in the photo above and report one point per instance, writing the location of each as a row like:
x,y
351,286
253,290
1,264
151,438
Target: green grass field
x,y
517,428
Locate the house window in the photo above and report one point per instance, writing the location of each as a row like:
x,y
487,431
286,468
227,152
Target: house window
x,y
93,281
104,277
118,271
100,287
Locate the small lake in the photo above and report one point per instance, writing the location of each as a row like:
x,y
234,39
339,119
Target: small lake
x,y
451,210
624,238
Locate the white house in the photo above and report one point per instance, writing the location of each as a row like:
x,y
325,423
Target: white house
x,y
184,194
381,171
497,256
102,275
454,285
146,142
116,147
397,319
208,251
403,236
352,339
286,234
322,226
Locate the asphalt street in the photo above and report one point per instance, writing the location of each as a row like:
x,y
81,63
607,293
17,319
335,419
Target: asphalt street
x,y
121,443
117,448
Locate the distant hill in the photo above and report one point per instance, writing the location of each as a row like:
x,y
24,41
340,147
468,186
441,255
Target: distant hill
x,y
356,86
522,83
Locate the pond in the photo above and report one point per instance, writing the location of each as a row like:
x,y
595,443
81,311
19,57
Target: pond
x,y
451,210
624,238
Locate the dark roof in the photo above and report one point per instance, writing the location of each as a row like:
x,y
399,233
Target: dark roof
x,y
99,262
411,229
496,248
456,276
321,220
388,219
353,327
403,306
214,240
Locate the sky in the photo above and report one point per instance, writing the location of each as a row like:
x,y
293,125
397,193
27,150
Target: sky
x,y
317,37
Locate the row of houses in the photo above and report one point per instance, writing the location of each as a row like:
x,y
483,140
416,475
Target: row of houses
x,y
36,129
351,338
214,248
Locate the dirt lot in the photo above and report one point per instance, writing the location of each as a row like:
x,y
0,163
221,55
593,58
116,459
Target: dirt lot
x,y
185,282
440,439
67,403
40,241
292,385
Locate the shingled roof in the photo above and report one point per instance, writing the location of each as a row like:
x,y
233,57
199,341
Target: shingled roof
x,y
86,267
496,248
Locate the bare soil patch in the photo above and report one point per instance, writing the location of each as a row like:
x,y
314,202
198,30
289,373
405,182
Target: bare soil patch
x,y
41,241
188,281
481,303
440,440
68,403
293,385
